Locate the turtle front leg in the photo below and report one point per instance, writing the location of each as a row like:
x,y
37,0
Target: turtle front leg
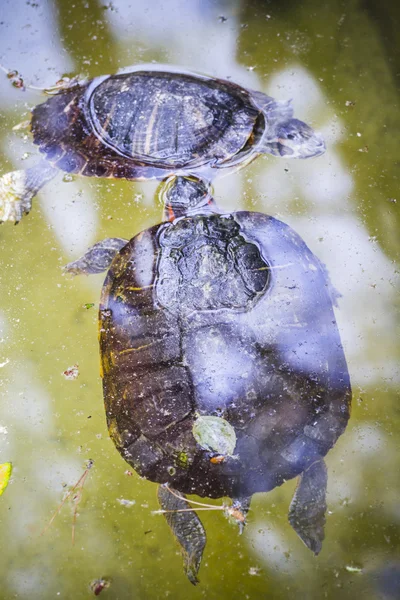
x,y
308,507
17,189
187,529
97,258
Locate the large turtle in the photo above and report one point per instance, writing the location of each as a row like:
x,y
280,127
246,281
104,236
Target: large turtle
x,y
149,124
222,365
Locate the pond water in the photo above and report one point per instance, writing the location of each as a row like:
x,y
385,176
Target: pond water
x,y
339,62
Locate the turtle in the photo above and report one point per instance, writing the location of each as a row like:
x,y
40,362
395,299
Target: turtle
x,y
222,365
146,124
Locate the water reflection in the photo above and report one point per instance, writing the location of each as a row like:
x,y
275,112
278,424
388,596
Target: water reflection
x,y
387,580
226,319
200,25
341,240
30,44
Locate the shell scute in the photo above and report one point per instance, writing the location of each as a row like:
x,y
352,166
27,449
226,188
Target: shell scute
x,y
205,264
273,367
171,120
157,399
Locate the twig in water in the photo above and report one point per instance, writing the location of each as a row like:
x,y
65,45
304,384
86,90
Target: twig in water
x,y
233,510
76,498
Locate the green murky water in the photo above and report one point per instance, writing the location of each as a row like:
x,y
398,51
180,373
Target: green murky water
x,y
340,64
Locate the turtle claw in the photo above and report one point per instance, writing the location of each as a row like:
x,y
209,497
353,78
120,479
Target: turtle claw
x,y
17,189
15,196
308,507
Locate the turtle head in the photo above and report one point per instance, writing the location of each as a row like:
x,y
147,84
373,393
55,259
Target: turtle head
x,y
185,195
295,139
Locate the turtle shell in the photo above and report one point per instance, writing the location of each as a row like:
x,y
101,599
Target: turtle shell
x,y
227,316
147,124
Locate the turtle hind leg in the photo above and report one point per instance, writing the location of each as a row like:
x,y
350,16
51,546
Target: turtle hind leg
x,y
97,258
308,507
17,189
187,529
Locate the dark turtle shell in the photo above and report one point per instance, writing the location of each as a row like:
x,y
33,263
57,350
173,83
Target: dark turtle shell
x,y
147,124
227,316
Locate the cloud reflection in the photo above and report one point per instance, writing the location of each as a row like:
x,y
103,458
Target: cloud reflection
x,y
272,548
357,266
30,45
178,31
70,210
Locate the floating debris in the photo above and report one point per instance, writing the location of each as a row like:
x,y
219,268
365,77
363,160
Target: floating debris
x,y
352,569
215,435
127,503
350,103
18,82
5,474
75,493
98,585
71,372
16,79
218,459
109,6
22,125
64,83
233,510
88,305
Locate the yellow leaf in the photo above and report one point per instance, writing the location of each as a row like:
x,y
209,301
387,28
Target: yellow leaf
x,y
5,474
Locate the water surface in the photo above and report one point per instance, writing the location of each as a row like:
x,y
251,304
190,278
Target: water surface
x,y
338,63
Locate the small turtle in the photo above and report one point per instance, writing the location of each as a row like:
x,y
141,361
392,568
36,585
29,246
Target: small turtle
x,y
222,365
150,124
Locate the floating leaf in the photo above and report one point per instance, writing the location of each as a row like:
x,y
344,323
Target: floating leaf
x,y
215,435
5,474
88,305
